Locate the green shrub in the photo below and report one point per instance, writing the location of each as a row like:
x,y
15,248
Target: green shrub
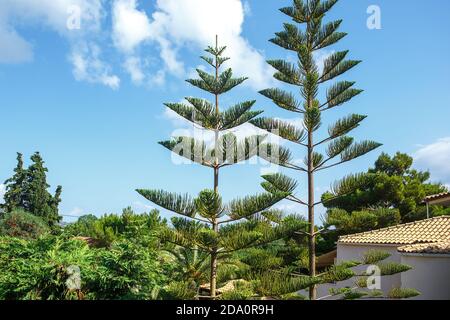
x,y
399,293
242,291
21,224
374,256
40,269
179,291
138,228
390,268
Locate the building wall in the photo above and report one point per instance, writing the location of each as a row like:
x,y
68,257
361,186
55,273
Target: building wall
x,y
348,252
430,275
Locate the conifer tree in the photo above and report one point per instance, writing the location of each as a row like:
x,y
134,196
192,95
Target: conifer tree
x,y
207,223
305,36
27,190
14,195
37,199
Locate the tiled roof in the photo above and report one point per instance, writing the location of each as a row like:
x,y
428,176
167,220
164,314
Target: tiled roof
x,y
437,196
425,231
430,248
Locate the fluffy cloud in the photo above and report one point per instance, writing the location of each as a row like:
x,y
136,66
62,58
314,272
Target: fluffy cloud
x,y
130,26
55,15
182,23
173,25
436,158
87,66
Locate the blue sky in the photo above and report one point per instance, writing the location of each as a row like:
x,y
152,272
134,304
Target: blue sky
x,y
91,99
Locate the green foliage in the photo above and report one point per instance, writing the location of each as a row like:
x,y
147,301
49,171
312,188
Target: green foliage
x,y
125,271
14,195
390,268
139,228
21,224
337,273
27,190
391,183
209,204
277,284
340,222
242,291
279,183
375,256
283,129
403,293
305,35
348,293
40,269
179,291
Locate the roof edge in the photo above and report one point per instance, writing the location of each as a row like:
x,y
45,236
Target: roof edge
x,y
389,228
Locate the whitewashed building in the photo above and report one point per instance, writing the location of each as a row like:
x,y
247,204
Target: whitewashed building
x,y
424,245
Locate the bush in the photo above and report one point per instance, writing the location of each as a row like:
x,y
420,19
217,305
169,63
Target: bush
x,y
179,291
403,293
46,268
21,224
139,228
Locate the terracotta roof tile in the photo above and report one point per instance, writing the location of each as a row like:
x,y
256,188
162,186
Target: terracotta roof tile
x,y
430,248
437,196
425,231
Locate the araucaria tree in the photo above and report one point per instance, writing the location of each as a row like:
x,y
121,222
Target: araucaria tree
x,y
208,224
307,35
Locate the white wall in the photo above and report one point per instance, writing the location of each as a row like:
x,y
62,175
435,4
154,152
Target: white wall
x,y
430,275
347,252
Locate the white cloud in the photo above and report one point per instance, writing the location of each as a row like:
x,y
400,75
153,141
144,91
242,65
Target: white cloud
x,y
133,66
436,158
54,15
178,24
2,192
175,25
87,66
130,26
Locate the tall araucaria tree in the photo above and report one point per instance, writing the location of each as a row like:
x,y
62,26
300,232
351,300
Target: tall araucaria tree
x,y
307,35
208,224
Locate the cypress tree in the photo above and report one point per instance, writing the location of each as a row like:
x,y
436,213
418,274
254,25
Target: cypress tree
x,y
27,190
14,195
37,199
307,34
207,224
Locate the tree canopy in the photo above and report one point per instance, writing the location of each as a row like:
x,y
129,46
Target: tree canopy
x,y
27,189
391,183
